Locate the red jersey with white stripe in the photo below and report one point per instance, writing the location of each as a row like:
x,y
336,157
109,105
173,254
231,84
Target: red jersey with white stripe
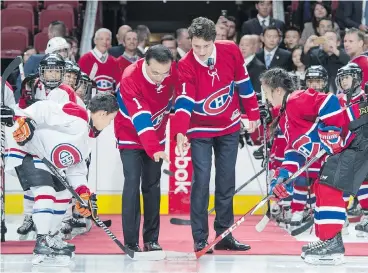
x,y
144,109
61,136
206,104
123,62
108,73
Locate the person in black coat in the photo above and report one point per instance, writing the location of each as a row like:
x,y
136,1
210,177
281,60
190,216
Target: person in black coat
x,y
271,55
263,20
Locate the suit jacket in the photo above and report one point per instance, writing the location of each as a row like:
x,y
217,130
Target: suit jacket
x,y
255,69
116,51
282,58
30,67
349,14
253,26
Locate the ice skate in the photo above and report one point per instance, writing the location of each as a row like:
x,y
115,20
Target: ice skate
x,y
362,227
329,252
27,229
60,244
46,253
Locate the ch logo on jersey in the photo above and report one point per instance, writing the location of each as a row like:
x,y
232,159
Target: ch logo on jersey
x,y
157,118
104,83
217,102
65,155
306,146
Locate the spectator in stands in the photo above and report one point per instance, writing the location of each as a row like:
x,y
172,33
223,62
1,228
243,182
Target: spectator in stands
x,y
292,37
99,65
56,29
130,54
325,51
271,55
263,20
143,39
351,14
354,42
117,51
183,41
320,11
254,66
231,34
74,49
298,67
28,52
169,41
221,32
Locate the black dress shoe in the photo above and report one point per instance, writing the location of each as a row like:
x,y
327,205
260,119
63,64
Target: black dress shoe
x,y
230,243
134,247
152,246
198,246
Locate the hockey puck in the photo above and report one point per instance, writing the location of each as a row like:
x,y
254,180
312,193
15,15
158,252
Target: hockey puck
x,y
170,173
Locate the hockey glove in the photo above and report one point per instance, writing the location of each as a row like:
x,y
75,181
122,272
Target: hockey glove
x,y
277,186
265,113
7,115
25,131
89,209
330,137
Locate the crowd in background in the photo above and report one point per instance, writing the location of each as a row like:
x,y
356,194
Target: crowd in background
x,y
315,37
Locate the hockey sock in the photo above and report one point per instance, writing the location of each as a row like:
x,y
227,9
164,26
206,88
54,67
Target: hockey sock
x,y
61,205
43,208
300,195
330,213
311,198
28,202
363,195
346,197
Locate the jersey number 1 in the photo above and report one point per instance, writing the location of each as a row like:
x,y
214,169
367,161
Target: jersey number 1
x,y
137,102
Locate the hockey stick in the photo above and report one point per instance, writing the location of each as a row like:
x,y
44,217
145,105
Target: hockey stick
x,y
138,256
185,222
11,67
263,223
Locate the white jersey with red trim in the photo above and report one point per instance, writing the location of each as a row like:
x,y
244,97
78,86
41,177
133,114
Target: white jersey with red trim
x,y
8,94
61,136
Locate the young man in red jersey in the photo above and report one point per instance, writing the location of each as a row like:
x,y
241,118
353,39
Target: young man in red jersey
x,y
207,112
145,101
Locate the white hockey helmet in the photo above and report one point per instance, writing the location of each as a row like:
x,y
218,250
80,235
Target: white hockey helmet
x,y
56,44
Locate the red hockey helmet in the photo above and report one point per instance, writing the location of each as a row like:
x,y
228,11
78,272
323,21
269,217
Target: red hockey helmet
x,y
362,61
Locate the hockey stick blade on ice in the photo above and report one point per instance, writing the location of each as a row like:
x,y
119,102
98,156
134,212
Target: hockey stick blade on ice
x,y
305,226
263,223
7,72
186,222
137,256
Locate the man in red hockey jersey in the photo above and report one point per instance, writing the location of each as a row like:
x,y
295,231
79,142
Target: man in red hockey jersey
x,y
99,65
145,100
130,53
207,112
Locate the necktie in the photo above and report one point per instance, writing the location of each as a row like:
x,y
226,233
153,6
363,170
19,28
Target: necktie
x,y
268,60
210,62
103,58
264,24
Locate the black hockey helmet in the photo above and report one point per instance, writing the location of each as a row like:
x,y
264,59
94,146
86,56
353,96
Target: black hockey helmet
x,y
53,62
86,88
317,72
353,70
72,67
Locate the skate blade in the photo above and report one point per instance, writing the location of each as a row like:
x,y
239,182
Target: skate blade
x,y
335,259
362,234
51,261
149,256
30,236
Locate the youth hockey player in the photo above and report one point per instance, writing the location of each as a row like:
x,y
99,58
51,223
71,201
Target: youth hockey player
x,y
207,111
60,133
320,123
145,101
72,74
348,80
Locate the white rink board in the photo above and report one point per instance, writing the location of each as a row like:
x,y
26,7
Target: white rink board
x,y
110,178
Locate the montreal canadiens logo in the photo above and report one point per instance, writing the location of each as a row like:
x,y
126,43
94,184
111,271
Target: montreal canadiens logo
x,y
65,155
104,83
217,102
157,118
